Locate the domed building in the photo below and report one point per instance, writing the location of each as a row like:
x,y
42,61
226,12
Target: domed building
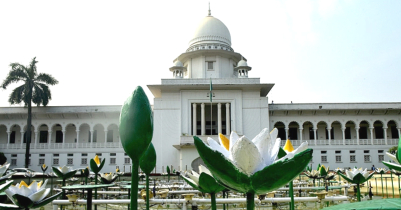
x,y
211,91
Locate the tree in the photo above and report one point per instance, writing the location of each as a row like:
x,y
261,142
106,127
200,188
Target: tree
x,y
393,150
3,158
34,89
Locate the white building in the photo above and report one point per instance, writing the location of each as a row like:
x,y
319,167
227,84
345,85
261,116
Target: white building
x,y
342,135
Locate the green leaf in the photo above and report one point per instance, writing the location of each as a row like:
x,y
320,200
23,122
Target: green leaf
x,y
345,177
148,160
46,201
168,170
94,166
322,171
281,153
209,184
22,201
392,165
192,184
70,174
280,173
136,124
318,167
58,172
223,169
398,154
5,187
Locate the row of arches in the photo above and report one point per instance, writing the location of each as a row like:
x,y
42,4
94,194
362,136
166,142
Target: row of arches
x,y
336,130
57,133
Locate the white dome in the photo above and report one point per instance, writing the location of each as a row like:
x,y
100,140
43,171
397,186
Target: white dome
x,y
178,63
242,63
211,30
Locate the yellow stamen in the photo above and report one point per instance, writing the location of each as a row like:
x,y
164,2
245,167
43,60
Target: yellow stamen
x,y
96,159
117,170
44,165
225,141
22,183
40,184
288,146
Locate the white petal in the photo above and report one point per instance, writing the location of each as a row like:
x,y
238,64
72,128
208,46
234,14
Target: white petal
x,y
10,194
38,196
274,133
265,146
33,186
64,169
203,169
392,157
24,191
233,139
349,174
246,156
194,176
217,147
274,151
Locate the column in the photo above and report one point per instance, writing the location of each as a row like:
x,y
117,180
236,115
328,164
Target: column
x,y
286,133
8,138
22,138
203,128
398,132
329,134
385,135
36,138
228,121
343,131
91,138
194,125
357,135
105,137
314,135
50,138
219,117
371,134
77,143
300,134
63,131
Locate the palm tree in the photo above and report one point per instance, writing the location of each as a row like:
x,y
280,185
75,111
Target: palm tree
x,y
34,89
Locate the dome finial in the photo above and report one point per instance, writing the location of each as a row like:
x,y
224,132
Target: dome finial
x,y
210,13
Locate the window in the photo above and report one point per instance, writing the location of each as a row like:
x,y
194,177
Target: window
x,y
338,158
338,151
324,158
311,134
352,151
352,158
127,160
12,137
347,133
42,155
380,151
43,136
112,154
13,162
209,65
70,161
381,158
55,161
99,154
84,161
59,137
14,155
366,158
366,151
94,136
112,160
70,155
110,136
84,154
323,152
55,155
41,161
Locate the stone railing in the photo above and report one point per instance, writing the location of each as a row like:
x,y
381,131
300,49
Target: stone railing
x,y
63,145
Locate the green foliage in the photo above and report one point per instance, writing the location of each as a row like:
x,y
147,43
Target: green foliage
x,y
148,160
3,158
393,150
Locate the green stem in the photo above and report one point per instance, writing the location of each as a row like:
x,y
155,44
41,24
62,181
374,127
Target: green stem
x,y
250,201
134,185
147,192
358,192
63,196
96,189
386,187
224,195
51,184
292,196
213,200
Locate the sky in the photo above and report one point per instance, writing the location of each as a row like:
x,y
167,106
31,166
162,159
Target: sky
x,y
314,51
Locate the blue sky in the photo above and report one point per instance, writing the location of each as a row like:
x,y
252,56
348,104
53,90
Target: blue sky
x,y
314,51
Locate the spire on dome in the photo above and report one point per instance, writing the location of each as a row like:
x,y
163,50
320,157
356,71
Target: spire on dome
x,y
210,13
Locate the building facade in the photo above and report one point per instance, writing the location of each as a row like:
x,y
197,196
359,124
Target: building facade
x,y
210,92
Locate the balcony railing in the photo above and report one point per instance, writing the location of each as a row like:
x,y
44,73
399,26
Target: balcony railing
x,y
63,145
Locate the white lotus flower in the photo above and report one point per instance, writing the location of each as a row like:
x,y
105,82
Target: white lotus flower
x,y
312,174
355,171
381,170
250,156
35,191
3,168
108,176
65,169
195,176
